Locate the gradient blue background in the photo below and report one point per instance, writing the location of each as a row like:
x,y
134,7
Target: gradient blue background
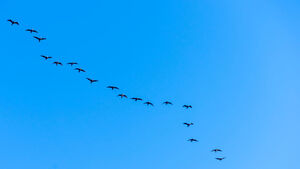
x,y
236,62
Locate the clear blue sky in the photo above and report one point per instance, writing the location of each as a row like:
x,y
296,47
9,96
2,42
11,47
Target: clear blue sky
x,y
236,62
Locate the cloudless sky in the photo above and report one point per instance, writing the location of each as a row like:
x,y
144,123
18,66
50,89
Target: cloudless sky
x,y
236,62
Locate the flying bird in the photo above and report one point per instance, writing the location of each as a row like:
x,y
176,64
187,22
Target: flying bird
x,y
91,80
220,158
46,57
79,70
148,103
39,39
13,22
122,95
187,106
188,124
113,87
167,102
136,98
31,30
57,63
216,150
192,140
72,63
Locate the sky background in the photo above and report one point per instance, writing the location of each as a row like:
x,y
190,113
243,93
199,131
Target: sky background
x,y
236,62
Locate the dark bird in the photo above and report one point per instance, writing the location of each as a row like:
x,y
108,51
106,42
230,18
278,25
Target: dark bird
x,y
31,30
216,150
113,87
188,124
39,39
148,103
192,140
79,70
72,63
136,98
187,106
13,22
122,95
57,63
46,57
91,80
167,102
220,158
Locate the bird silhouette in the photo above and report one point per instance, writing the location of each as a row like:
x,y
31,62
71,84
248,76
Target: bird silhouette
x,y
188,124
220,158
216,150
39,39
31,31
91,80
167,102
136,98
57,63
192,140
187,106
112,87
72,63
46,57
148,103
13,22
79,70
122,95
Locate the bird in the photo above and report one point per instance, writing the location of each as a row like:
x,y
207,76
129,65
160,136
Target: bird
x,y
148,103
72,63
167,102
192,140
57,63
220,158
46,57
122,95
112,87
39,39
79,70
91,80
31,30
136,98
216,150
188,124
187,106
13,22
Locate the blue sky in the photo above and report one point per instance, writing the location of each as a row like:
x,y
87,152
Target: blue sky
x,y
236,62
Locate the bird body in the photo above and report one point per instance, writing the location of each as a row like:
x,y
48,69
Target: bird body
x,y
188,124
46,57
39,39
192,140
113,87
13,22
91,80
216,150
57,63
79,70
167,102
72,63
122,95
220,158
31,30
136,99
187,106
149,103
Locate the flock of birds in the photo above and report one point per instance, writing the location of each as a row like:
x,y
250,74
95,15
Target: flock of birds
x,y
57,63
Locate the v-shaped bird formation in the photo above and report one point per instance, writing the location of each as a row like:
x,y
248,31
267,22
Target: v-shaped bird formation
x,y
121,95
